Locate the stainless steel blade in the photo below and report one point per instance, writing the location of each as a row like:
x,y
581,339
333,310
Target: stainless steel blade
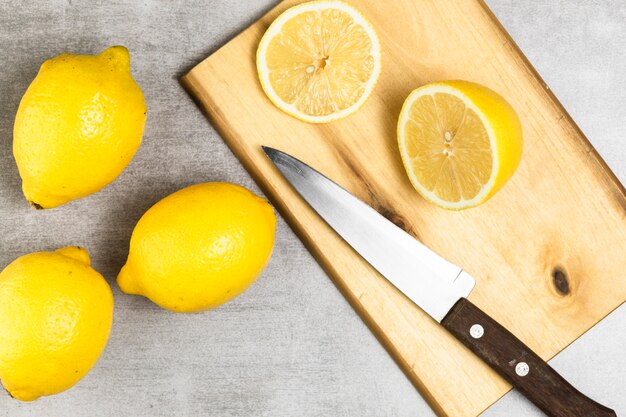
x,y
430,281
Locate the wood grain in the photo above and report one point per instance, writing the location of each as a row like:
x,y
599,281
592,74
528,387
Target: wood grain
x,y
547,250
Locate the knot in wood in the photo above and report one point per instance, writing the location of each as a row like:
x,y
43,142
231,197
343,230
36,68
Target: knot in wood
x,y
560,281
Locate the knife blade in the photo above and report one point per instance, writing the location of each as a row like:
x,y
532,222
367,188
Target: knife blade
x,y
436,286
426,278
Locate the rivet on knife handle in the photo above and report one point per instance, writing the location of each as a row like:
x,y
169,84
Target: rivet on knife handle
x,y
519,365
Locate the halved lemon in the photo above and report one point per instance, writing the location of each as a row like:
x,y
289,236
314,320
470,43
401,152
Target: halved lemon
x,y
319,61
460,142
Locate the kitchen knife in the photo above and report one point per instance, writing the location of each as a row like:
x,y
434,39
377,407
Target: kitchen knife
x,y
438,287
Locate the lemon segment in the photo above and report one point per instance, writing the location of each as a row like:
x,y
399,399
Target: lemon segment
x,y
319,61
55,318
199,247
459,141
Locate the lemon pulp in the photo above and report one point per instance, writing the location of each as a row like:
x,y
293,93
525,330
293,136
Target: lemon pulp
x,y
319,61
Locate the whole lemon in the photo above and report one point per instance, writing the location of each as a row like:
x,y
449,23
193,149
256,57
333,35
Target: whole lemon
x,y
199,247
77,127
55,318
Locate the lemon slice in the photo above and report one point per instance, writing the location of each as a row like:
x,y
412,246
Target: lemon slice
x,y
319,61
460,142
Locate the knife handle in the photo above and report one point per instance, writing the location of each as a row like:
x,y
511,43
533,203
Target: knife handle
x,y
519,365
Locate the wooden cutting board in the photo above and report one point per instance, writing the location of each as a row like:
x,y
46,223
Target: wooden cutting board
x,y
548,251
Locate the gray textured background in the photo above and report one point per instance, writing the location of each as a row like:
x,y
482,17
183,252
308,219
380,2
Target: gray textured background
x,y
291,345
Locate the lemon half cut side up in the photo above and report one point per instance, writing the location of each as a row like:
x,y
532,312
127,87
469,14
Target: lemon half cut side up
x,y
319,61
460,142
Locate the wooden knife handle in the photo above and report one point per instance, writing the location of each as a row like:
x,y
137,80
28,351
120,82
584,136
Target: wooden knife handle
x,y
519,365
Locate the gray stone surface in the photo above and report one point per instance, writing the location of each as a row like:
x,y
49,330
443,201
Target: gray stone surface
x,y
291,345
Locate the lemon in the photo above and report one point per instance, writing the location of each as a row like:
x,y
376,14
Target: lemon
x,y
319,61
199,247
460,142
77,127
55,318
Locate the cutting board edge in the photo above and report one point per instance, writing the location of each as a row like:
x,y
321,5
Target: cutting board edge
x,y
211,111
219,123
592,153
